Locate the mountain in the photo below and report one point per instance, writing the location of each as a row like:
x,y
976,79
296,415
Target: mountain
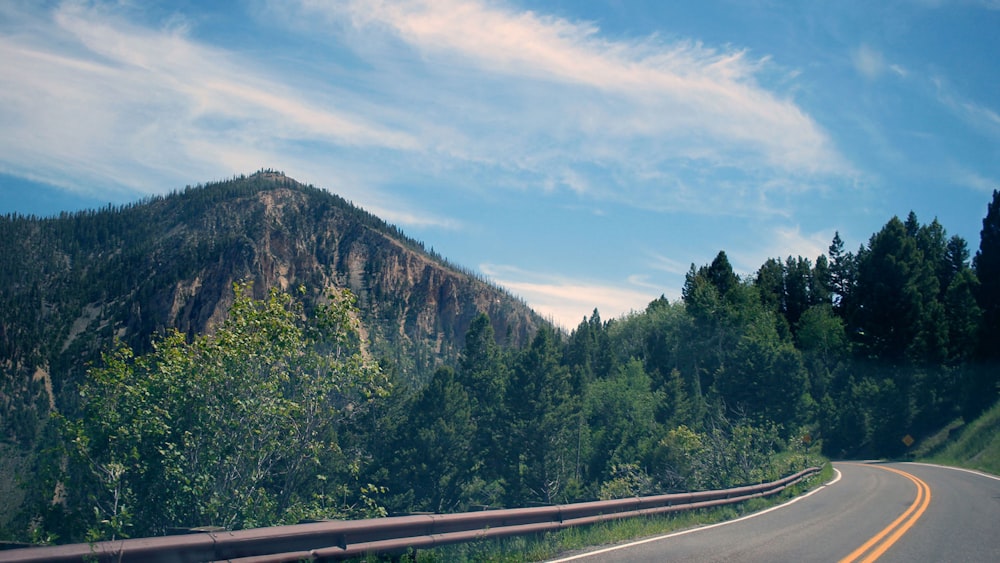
x,y
70,286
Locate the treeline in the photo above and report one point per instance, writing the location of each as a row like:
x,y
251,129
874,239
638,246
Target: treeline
x,y
856,353
72,283
742,379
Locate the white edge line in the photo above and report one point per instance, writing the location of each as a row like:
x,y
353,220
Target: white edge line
x,y
973,471
699,529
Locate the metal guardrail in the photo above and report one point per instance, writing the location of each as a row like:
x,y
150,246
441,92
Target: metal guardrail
x,y
343,539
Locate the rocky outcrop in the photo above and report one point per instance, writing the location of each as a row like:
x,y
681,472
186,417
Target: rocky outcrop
x,y
127,273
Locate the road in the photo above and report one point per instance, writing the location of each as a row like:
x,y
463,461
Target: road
x,y
893,513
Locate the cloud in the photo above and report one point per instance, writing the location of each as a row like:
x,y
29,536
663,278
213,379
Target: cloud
x,y
872,64
566,301
974,180
781,242
504,99
977,115
93,99
868,61
669,265
553,101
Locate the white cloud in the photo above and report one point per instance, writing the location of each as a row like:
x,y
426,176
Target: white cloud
x,y
92,99
980,116
793,242
781,242
868,61
697,88
666,264
566,302
975,180
501,98
553,101
872,64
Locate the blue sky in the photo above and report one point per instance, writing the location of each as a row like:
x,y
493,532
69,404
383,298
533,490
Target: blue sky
x,y
581,154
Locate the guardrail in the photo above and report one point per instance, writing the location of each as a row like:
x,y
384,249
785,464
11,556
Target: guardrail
x,y
342,539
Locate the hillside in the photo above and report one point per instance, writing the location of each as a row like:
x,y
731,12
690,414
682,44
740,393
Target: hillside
x,y
73,284
975,445
742,380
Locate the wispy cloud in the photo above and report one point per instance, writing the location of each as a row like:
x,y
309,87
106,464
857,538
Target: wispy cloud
x,y
974,180
504,98
94,99
781,242
550,99
978,115
568,301
872,64
666,264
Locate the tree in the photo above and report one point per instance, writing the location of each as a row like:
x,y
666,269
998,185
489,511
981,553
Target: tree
x,y
842,274
820,289
621,416
798,286
484,372
542,441
770,282
956,259
437,451
720,274
896,309
765,378
237,428
987,267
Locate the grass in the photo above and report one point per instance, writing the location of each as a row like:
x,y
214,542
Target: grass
x,y
551,545
976,446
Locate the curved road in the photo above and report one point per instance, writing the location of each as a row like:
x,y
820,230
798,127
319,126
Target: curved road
x,y
893,512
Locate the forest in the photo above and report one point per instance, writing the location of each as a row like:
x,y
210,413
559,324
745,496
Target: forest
x,y
849,354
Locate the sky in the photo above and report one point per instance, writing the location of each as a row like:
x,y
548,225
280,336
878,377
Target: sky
x,y
581,154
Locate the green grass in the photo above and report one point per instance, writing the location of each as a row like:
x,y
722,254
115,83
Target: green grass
x,y
551,545
976,446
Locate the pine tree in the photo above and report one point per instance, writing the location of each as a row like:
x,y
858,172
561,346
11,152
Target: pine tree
x,y
542,441
438,451
842,274
484,373
987,267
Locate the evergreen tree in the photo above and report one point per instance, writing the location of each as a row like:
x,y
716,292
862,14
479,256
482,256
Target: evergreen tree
x,y
437,456
987,268
842,274
621,418
770,282
720,274
765,378
820,289
543,423
483,371
798,283
896,293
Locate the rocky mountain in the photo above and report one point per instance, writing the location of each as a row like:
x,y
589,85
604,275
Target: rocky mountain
x,y
70,286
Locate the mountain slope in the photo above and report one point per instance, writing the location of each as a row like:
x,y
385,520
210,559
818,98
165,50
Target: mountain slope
x,y
71,285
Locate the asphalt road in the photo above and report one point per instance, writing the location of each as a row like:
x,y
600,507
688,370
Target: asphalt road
x,y
895,512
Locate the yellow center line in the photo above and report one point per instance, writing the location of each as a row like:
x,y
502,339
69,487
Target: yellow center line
x,y
898,527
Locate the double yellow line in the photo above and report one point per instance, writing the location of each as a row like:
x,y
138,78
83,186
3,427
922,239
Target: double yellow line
x,y
878,544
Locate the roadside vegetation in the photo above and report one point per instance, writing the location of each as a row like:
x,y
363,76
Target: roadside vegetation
x,y
975,445
566,542
282,412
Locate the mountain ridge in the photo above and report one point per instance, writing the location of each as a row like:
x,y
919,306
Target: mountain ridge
x,y
170,262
